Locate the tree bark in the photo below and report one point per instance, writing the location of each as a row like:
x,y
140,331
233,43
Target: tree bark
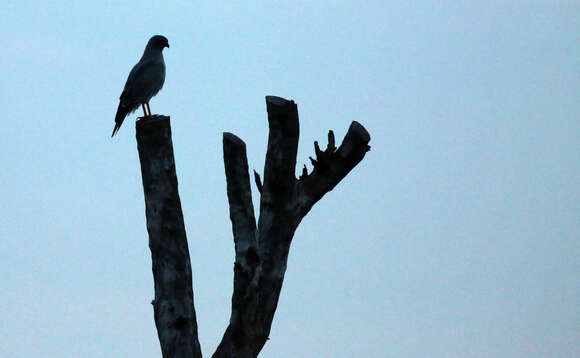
x,y
262,252
173,304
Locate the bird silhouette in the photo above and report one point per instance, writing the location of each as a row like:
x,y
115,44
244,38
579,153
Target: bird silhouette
x,y
145,81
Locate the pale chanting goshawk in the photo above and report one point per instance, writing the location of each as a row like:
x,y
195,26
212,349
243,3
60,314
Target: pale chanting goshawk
x,y
144,81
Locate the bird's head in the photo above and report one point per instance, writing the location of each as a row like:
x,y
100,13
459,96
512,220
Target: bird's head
x,y
158,42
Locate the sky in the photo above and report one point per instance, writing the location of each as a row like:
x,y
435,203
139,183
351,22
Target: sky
x,y
456,236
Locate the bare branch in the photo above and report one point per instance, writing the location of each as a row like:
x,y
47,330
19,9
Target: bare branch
x,y
240,329
330,147
304,172
282,147
331,166
239,194
258,181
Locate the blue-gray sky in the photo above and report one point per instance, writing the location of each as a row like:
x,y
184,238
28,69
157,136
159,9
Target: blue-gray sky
x,y
457,236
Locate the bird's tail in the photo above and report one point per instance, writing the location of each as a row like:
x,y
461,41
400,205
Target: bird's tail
x,y
119,118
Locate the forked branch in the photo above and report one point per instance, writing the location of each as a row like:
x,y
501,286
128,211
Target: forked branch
x,y
262,253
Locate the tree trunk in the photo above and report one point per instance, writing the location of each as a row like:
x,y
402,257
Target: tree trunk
x,y
262,252
173,304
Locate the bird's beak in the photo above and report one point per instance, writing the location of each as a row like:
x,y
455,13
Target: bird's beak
x,y
167,45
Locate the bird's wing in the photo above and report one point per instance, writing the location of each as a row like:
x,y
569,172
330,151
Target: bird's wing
x,y
144,81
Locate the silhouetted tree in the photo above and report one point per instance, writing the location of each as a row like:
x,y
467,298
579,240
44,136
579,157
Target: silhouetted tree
x,y
261,250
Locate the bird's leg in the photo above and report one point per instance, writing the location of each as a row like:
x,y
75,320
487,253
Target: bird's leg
x,y
149,108
144,111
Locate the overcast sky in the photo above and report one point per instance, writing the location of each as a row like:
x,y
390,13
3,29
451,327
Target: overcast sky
x,y
457,236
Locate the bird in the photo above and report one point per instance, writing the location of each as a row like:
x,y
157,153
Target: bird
x,y
144,81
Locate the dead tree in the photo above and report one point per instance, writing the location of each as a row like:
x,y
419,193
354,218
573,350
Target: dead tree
x,y
261,250
173,304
